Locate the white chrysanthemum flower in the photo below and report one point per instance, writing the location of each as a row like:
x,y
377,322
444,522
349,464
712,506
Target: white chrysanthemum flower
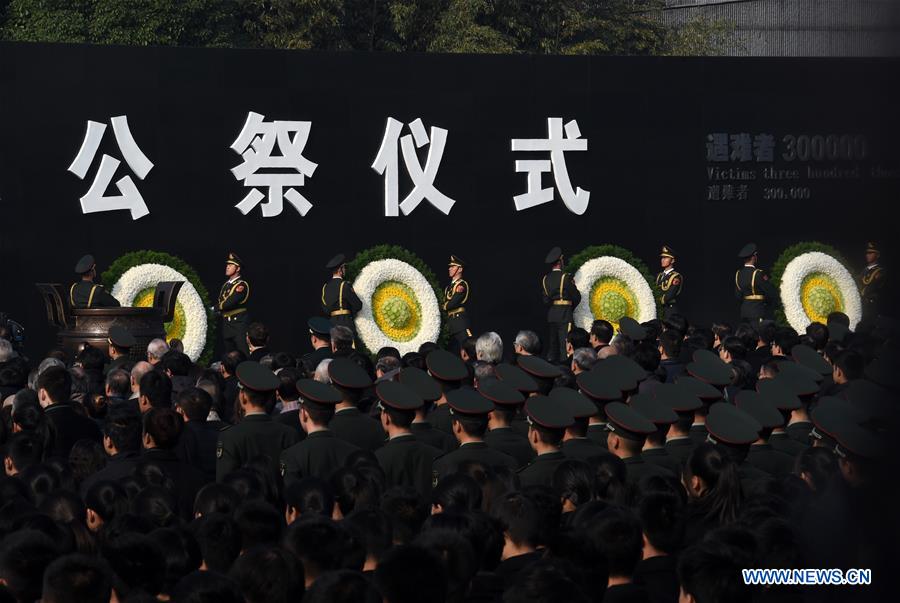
x,y
135,288
399,309
610,289
813,285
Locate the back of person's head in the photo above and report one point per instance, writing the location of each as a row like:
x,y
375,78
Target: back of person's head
x,y
341,338
519,518
118,383
708,572
287,387
158,504
851,363
259,523
662,521
91,358
86,458
156,387
411,574
355,489
719,481
123,427
207,587
257,334
735,347
818,335
618,534
107,499
231,360
602,330
23,557
528,341
457,492
219,540
164,425
406,510
56,383
766,331
309,496
77,579
268,574
816,465
137,562
609,478
323,545
544,582
342,586
786,338
647,356
374,527
670,342
457,555
180,552
216,498
248,484
195,403
573,481
22,451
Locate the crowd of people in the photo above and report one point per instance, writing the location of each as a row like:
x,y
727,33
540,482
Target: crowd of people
x,y
653,463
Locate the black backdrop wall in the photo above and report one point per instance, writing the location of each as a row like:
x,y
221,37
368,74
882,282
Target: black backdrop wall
x,y
649,168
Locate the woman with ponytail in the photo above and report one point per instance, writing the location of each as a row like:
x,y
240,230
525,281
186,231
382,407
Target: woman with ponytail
x,y
714,491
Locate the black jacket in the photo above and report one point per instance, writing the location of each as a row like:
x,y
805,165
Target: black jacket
x,y
407,462
360,430
319,455
70,426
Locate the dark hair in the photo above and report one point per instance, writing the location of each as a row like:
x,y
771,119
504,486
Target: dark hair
x,y
319,414
248,484
118,382
323,545
662,521
259,523
354,489
257,334
77,579
406,511
617,533
157,388
124,428
720,330
341,338
164,425
602,330
647,356
766,331
457,556
818,335
181,554
710,573
519,518
411,574
786,338
374,527
851,363
86,458
310,496
578,338
219,540
231,360
546,582
57,382
610,475
573,480
24,450
734,346
457,491
216,498
23,557
289,377
718,471
281,361
177,363
195,403
206,587
342,586
551,437
156,502
677,323
473,425
137,562
468,346
269,575
670,341
819,463
107,499
839,318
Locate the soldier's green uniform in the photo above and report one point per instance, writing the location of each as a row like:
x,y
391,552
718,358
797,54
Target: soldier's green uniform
x,y
257,434
752,286
547,416
561,296
626,422
348,423
871,283
85,293
508,401
321,453
670,283
339,300
456,294
123,341
232,307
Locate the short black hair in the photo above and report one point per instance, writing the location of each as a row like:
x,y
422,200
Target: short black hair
x,y
177,363
216,498
473,425
57,382
202,587
24,450
118,382
401,418
137,562
662,521
342,586
23,557
180,552
818,335
258,334
320,414
77,579
374,526
259,523
468,346
289,377
123,427
92,359
618,534
786,338
410,574
219,539
407,511
157,388
734,346
164,425
268,574
310,496
323,545
519,518
549,436
851,363
670,341
106,498
578,338
195,403
231,360
457,492
709,572
602,330
766,331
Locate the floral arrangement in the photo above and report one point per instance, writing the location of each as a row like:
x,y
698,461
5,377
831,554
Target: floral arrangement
x,y
613,283
132,280
813,281
400,299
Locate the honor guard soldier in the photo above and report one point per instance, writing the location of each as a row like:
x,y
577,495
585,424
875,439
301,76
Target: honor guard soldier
x,y
752,286
547,423
669,282
232,306
871,282
120,343
85,293
257,435
339,300
321,453
456,294
561,296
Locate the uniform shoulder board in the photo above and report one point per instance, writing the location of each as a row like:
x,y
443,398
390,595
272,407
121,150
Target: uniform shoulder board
x,y
220,449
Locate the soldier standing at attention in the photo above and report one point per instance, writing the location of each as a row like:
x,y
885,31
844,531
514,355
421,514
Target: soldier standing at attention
x,y
86,294
232,306
560,296
871,282
339,300
752,286
456,294
669,282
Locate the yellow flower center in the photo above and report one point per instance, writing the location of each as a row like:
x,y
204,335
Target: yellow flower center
x,y
396,310
611,299
820,296
174,329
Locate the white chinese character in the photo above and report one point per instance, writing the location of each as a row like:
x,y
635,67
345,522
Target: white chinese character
x,y
130,199
576,201
255,144
386,163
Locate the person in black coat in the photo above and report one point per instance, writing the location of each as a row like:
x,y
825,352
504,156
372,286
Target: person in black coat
x,y
348,423
501,436
54,387
561,297
122,431
197,444
547,423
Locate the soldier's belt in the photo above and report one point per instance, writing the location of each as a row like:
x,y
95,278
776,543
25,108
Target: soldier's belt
x,y
562,302
456,311
235,312
754,298
340,313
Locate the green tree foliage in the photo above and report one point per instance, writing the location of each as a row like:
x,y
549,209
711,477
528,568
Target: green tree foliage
x,y
574,27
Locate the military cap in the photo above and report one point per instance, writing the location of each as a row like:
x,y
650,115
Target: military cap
x,y
233,259
575,403
872,247
747,250
398,396
500,393
667,252
709,368
599,385
346,373
315,391
652,409
320,327
853,440
795,368
336,261
516,377
85,264
538,367
553,256
870,398
760,407
420,382
626,422
626,369
678,397
254,376
727,424
446,366
547,413
120,337
811,359
779,393
701,389
829,415
632,328
883,371
455,260
467,401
